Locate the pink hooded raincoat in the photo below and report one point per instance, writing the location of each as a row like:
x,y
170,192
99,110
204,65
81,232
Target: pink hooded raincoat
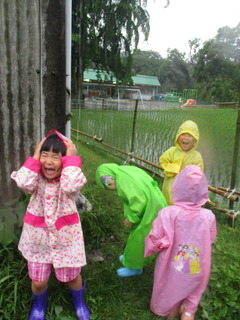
x,y
183,234
52,231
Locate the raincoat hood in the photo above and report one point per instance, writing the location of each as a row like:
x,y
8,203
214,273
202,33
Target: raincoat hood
x,y
188,127
61,136
190,188
105,169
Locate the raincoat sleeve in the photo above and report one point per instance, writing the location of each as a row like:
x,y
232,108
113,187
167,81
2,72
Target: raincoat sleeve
x,y
158,238
170,165
72,177
134,201
26,177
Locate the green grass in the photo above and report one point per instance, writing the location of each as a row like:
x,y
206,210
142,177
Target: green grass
x,y
108,296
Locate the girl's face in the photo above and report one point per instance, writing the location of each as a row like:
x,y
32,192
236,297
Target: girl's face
x,y
111,185
51,164
186,141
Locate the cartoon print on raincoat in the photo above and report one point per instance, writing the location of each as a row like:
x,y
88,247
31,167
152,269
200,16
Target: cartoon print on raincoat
x,y
142,199
175,159
187,229
187,259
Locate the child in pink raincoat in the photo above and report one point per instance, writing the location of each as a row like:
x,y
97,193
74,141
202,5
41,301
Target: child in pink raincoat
x,y
182,234
52,233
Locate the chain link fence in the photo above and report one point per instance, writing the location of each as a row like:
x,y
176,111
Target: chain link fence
x,y
147,132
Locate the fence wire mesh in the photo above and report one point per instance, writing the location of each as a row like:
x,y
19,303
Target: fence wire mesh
x,y
155,130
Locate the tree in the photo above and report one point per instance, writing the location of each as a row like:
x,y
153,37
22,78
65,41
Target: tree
x,y
217,69
104,35
174,72
146,62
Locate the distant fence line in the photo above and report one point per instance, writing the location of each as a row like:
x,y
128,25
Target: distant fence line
x,y
129,104
148,133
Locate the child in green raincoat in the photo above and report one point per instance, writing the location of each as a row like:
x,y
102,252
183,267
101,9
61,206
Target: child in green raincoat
x,y
142,199
184,153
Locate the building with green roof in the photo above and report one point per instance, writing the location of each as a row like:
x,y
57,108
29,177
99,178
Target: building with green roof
x,y
100,84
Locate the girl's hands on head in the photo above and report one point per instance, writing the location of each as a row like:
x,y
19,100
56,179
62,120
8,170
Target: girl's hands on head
x,y
71,148
36,154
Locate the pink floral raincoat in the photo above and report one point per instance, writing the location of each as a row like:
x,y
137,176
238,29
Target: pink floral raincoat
x,y
52,231
182,234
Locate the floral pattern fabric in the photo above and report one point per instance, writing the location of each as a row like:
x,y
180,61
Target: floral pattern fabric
x,y
54,203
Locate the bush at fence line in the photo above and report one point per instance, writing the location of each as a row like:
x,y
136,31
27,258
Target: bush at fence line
x,y
11,219
155,132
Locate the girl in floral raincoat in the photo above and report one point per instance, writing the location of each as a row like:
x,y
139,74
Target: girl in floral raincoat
x,y
182,234
52,233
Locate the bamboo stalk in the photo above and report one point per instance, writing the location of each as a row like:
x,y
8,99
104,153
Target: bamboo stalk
x,y
223,193
229,190
215,206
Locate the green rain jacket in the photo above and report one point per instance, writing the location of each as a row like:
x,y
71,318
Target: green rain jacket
x,y
175,159
142,199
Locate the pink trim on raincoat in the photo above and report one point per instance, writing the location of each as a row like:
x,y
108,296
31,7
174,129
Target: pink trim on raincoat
x,y
37,221
33,164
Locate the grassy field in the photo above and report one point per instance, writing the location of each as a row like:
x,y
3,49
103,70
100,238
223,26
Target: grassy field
x,y
108,296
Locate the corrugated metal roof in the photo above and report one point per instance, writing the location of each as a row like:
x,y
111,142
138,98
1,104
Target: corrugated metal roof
x,y
95,75
91,74
145,80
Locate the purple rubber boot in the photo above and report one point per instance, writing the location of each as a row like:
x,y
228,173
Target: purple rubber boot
x,y
80,307
39,306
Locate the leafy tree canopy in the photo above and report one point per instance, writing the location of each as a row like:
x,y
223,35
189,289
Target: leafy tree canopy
x,y
217,67
105,32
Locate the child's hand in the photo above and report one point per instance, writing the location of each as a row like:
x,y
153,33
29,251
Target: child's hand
x,y
36,154
127,223
71,148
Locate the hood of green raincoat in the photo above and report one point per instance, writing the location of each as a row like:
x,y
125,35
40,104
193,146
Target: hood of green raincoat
x,y
105,169
190,188
188,127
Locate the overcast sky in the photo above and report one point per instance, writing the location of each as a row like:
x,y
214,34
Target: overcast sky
x,y
185,20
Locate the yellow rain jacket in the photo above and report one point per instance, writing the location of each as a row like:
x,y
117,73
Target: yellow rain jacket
x,y
175,159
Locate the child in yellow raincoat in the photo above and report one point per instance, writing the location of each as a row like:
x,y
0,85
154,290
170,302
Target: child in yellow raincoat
x,y
182,154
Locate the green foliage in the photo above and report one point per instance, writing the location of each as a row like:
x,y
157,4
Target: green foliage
x,y
221,300
106,32
11,217
217,66
213,69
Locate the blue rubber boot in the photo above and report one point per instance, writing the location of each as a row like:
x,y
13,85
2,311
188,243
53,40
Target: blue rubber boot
x,y
80,307
128,272
120,257
39,306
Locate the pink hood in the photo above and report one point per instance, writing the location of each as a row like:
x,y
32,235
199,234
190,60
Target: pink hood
x,y
190,188
61,136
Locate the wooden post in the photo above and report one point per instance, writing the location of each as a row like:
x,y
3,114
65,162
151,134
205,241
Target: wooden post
x,y
235,158
134,126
